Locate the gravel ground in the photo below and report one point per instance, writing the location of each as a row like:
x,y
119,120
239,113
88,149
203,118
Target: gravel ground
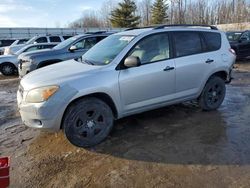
x,y
176,146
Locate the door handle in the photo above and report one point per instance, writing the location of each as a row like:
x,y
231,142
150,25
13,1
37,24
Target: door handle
x,y
209,61
168,68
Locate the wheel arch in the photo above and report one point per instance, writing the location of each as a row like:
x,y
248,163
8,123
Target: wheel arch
x,y
7,62
220,73
99,95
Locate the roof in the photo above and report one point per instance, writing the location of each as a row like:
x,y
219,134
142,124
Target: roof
x,y
38,44
136,32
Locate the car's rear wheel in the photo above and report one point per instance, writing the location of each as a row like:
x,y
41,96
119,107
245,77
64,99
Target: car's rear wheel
x,y
213,94
8,69
87,122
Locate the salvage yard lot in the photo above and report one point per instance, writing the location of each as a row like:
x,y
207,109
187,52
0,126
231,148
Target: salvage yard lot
x,y
176,146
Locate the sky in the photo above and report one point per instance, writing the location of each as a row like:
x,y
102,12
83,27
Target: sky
x,y
44,13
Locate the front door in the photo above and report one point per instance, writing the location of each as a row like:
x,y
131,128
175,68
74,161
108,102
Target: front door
x,y
153,82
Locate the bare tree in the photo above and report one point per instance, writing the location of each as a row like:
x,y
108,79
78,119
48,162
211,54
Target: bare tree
x,y
89,19
144,11
107,7
180,11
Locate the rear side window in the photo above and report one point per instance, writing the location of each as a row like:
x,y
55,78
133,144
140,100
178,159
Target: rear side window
x,y
55,39
187,43
41,40
100,38
213,41
33,48
48,46
22,41
66,37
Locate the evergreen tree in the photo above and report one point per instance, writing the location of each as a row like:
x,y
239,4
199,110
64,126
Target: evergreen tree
x,y
124,16
159,12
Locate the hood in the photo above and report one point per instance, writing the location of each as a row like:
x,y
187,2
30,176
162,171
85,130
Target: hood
x,y
45,52
57,74
10,58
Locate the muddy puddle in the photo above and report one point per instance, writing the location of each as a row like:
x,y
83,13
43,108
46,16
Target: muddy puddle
x,y
176,146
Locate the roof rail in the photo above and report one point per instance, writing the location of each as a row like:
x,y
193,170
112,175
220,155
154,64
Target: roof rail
x,y
186,25
132,28
95,32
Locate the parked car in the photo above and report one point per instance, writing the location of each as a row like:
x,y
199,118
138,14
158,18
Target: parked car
x,y
240,42
36,39
71,48
16,42
127,73
9,63
4,43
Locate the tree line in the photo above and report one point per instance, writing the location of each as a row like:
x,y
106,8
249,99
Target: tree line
x,y
132,13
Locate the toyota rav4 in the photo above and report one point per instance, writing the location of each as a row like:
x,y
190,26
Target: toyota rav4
x,y
127,73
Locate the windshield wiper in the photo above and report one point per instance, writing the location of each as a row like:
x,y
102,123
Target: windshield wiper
x,y
87,62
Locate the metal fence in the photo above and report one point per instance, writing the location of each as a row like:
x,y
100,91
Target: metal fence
x,y
30,32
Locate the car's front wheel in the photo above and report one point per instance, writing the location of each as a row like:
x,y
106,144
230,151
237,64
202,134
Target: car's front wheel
x,y
8,69
87,122
213,94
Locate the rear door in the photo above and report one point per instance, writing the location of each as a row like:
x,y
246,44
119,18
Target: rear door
x,y
193,62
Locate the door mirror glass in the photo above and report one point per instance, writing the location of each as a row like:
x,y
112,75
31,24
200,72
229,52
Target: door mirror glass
x,y
132,61
73,48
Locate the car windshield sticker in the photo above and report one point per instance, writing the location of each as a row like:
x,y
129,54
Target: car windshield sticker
x,y
126,38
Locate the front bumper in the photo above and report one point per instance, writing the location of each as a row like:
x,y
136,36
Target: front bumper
x,y
25,68
230,75
46,115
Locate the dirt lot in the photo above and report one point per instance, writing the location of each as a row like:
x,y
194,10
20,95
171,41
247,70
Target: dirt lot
x,y
177,146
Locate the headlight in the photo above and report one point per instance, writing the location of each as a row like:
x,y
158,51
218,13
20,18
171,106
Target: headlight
x,y
6,51
26,60
41,94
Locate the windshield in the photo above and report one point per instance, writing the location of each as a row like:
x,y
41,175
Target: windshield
x,y
19,51
65,43
106,50
233,36
30,41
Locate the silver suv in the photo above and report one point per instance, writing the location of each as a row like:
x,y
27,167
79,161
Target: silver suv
x,y
127,73
12,49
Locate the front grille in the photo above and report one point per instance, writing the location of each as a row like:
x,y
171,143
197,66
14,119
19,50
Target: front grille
x,y
20,64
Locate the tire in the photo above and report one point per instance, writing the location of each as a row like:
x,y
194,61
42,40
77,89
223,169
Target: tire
x,y
8,69
213,94
87,122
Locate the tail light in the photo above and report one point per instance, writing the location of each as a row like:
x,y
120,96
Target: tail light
x,y
4,172
232,51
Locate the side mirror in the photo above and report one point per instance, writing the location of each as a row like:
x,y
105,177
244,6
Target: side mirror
x,y
73,48
79,59
132,61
